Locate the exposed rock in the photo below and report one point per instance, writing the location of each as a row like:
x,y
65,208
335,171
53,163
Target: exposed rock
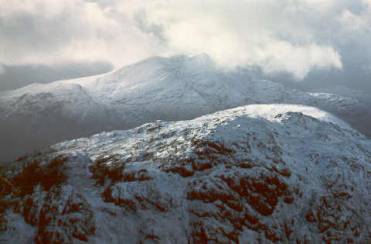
x,y
256,173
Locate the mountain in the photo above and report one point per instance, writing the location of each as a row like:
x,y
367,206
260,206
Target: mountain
x,y
260,173
158,88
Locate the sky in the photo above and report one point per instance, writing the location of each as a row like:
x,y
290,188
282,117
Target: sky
x,y
294,39
17,76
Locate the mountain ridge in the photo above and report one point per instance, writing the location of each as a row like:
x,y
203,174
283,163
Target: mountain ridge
x,y
158,88
268,173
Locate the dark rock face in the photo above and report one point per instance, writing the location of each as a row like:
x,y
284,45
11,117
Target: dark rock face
x,y
38,193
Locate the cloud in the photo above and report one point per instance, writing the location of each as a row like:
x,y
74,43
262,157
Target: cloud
x,y
291,36
270,34
42,31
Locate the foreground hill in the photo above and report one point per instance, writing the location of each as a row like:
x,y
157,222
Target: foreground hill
x,y
261,173
174,88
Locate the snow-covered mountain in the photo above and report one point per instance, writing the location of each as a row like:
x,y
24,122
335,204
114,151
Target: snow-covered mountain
x,y
258,173
155,89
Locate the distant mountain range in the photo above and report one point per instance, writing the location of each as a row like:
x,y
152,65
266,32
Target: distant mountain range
x,y
175,88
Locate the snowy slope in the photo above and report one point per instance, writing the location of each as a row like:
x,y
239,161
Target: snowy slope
x,y
260,173
155,89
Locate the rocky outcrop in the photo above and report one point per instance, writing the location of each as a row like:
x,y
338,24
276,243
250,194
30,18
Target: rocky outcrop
x,y
283,174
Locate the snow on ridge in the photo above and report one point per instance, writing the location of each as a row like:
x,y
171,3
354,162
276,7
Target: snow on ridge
x,y
243,116
238,171
270,112
158,88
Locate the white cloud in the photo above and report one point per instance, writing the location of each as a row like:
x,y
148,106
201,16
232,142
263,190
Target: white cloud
x,y
294,36
44,31
238,33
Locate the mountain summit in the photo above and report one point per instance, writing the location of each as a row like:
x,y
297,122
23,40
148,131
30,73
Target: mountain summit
x,y
260,173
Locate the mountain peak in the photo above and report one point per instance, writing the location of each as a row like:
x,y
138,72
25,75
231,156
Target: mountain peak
x,y
254,173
